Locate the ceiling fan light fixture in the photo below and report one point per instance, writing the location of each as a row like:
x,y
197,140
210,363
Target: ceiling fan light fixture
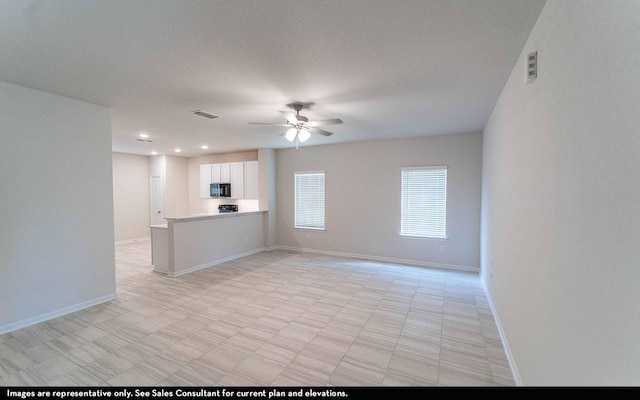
x,y
299,125
291,134
304,135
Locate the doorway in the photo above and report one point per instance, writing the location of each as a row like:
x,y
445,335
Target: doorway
x,y
157,215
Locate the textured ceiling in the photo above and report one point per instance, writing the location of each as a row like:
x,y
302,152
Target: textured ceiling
x,y
388,69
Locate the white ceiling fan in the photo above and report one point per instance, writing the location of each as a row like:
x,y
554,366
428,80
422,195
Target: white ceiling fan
x,y
300,127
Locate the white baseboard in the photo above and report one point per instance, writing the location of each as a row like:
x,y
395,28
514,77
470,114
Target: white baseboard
x,y
142,239
429,264
213,263
505,344
55,314
464,268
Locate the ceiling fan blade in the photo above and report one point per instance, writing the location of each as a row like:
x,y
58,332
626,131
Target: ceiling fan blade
x,y
292,119
320,131
334,121
268,123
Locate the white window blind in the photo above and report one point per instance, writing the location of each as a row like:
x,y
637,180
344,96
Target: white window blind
x,y
424,202
309,199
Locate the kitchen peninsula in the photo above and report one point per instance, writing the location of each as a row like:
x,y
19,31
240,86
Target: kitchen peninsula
x,y
188,244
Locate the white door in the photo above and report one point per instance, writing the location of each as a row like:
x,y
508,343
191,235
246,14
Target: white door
x,y
157,218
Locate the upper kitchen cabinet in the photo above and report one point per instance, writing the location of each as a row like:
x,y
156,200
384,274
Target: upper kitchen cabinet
x,y
251,180
220,173
243,177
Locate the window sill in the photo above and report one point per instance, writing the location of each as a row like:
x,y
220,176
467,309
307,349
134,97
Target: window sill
x,y
423,237
308,228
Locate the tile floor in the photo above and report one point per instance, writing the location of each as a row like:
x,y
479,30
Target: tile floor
x,y
278,318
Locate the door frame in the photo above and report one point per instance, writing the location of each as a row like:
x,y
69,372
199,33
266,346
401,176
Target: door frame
x,y
160,200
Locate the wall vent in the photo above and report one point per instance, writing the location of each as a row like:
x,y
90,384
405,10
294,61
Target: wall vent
x,y
204,114
531,67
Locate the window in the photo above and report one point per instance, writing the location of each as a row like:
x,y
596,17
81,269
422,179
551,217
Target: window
x,y
309,199
424,202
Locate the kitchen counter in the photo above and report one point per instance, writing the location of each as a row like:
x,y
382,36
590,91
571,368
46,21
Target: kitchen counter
x,y
159,245
197,217
190,243
161,226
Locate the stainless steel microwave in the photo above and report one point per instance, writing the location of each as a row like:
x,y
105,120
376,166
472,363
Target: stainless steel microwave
x,y
220,190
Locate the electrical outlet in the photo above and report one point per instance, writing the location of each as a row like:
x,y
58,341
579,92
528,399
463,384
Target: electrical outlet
x,y
308,236
442,248
246,238
531,67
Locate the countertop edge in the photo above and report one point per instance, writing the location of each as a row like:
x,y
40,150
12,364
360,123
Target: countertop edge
x,y
159,226
212,216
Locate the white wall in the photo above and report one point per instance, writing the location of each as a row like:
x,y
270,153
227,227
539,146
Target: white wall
x,y
362,203
176,186
267,194
197,244
158,165
130,196
174,175
561,199
56,207
200,206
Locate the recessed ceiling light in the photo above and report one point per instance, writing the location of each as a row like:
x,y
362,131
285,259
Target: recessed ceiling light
x,y
177,150
154,153
204,147
144,135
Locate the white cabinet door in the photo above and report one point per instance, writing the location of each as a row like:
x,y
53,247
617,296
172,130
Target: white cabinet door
x,y
237,180
215,173
205,181
251,180
225,175
220,173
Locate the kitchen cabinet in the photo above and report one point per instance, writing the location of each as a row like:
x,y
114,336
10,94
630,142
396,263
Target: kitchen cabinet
x,y
250,180
220,173
225,173
205,180
236,171
243,177
215,173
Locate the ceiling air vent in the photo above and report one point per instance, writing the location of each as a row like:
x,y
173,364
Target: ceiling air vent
x,y
144,140
204,114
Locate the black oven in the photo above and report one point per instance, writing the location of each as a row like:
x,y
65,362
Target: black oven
x,y
225,208
220,190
